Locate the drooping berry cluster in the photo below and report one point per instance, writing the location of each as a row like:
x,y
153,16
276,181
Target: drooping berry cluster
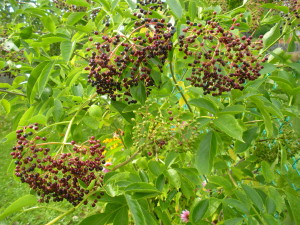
x,y
220,60
60,175
120,62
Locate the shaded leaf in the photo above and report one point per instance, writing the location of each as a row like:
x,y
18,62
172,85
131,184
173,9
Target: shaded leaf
x,y
119,106
57,110
66,48
233,109
121,217
294,202
222,182
233,221
173,178
163,216
271,35
154,167
139,93
160,182
141,187
49,23
253,196
38,80
238,205
6,105
267,171
205,153
199,210
139,213
248,136
204,104
230,126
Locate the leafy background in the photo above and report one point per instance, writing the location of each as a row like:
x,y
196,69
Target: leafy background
x,y
231,159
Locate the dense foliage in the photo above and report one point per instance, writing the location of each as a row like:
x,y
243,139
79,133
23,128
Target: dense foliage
x,y
151,112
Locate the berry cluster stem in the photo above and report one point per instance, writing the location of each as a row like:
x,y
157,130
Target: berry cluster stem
x,y
112,53
14,93
178,88
73,118
70,210
127,161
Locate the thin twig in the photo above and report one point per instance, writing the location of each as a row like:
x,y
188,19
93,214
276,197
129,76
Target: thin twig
x,y
70,210
86,59
11,92
127,161
120,135
269,139
178,88
253,121
73,118
232,179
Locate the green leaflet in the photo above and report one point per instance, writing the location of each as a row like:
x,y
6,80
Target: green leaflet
x,y
230,126
205,153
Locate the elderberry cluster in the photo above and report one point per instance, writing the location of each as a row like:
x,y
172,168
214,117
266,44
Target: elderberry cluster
x,y
60,175
220,60
120,62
